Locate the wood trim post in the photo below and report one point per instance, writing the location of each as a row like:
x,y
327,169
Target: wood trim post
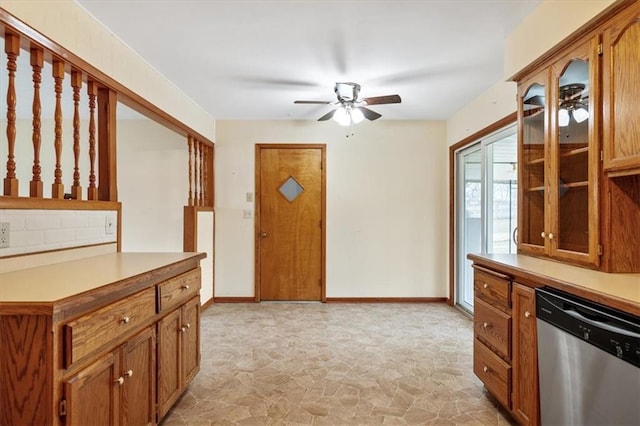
x,y
92,92
12,49
76,84
57,188
108,183
37,62
190,144
200,199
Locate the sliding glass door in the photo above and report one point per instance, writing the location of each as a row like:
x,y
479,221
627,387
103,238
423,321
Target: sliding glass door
x,y
486,204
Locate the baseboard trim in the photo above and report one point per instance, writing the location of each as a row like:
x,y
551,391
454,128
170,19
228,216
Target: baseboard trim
x,y
387,299
234,299
206,304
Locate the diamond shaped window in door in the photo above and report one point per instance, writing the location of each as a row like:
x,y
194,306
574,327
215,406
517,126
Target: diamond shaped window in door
x,y
290,189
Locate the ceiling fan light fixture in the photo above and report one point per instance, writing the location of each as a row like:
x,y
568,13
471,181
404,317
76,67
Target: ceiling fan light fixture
x,y
342,117
580,114
356,115
563,117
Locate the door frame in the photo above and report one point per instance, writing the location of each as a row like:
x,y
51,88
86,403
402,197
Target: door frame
x,y
323,210
453,204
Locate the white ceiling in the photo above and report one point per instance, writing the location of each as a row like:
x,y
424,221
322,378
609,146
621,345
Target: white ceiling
x,y
251,59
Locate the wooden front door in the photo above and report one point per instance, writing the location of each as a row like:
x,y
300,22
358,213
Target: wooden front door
x,y
290,199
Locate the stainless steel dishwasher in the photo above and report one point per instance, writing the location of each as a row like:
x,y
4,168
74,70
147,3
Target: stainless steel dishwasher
x,y
588,361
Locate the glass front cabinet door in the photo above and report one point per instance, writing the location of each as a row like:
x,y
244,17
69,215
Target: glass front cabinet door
x,y
559,158
533,142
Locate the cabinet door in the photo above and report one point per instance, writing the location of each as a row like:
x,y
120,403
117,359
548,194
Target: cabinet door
x,y
139,371
533,118
525,399
93,394
169,374
573,227
621,86
191,340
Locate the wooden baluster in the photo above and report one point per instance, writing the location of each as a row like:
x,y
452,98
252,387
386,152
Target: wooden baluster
x,y
195,174
37,61
190,143
12,49
201,203
57,188
92,91
204,175
76,84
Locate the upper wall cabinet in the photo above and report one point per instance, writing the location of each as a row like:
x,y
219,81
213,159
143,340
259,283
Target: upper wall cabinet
x,y
621,91
579,146
559,158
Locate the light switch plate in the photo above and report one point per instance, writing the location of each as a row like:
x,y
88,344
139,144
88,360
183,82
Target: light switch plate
x,y
247,214
249,197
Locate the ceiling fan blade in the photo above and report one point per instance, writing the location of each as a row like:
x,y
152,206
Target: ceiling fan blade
x,y
312,102
369,114
328,115
379,100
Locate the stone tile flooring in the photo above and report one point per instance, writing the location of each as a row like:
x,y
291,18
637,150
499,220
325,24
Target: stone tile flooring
x,y
336,364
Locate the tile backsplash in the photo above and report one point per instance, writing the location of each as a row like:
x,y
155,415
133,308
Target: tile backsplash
x,y
33,231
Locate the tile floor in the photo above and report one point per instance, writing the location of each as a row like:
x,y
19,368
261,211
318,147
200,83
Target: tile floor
x,y
336,364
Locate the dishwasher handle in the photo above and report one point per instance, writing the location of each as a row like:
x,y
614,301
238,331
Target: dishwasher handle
x,y
600,324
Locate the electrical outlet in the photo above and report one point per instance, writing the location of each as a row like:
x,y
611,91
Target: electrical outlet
x,y
108,225
4,234
246,214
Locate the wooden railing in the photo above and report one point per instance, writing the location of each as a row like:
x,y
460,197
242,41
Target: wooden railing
x,y
200,173
97,141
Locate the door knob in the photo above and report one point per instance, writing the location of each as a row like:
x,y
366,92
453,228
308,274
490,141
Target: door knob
x,y
264,235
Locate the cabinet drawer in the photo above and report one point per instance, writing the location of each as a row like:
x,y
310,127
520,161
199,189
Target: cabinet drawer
x,y
494,372
178,290
492,287
493,327
96,329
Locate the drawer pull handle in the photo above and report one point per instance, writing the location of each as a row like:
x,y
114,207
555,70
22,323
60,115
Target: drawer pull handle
x,y
485,285
187,326
543,235
183,329
485,369
129,373
185,287
119,380
125,319
550,235
485,324
527,314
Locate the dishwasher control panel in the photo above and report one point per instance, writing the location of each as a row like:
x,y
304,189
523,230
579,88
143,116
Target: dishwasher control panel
x,y
615,332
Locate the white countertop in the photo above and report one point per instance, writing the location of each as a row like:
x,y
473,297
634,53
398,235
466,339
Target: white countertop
x,y
51,283
624,287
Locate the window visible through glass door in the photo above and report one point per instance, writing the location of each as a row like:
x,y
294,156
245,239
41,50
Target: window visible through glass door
x,y
486,204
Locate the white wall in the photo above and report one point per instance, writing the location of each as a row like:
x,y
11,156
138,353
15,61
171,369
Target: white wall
x,y
73,28
153,186
205,244
386,203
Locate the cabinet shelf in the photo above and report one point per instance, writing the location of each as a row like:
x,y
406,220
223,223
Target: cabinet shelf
x,y
535,189
535,162
581,184
573,152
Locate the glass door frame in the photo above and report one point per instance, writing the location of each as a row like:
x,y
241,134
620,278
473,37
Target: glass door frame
x,y
482,141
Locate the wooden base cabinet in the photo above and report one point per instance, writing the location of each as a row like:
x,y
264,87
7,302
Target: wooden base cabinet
x,y
119,388
118,352
524,401
178,353
505,347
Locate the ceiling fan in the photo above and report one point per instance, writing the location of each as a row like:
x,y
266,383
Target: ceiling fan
x,y
351,109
